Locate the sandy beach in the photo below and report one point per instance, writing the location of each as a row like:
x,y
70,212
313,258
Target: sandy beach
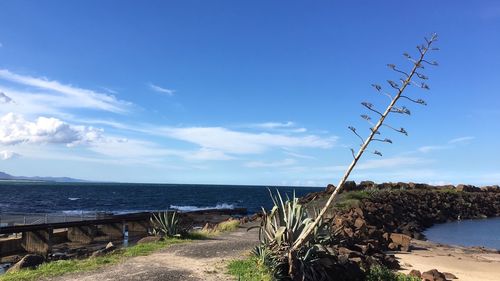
x,y
467,264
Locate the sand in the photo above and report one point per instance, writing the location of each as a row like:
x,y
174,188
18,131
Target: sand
x,y
467,264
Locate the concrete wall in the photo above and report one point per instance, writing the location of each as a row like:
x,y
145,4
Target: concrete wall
x,y
38,242
10,246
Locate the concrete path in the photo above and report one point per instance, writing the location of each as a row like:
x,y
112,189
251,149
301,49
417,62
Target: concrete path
x,y
200,260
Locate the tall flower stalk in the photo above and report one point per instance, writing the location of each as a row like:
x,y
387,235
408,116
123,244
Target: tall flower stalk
x,y
408,79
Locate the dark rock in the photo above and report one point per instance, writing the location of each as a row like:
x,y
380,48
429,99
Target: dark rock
x,y
415,273
330,188
449,276
29,261
466,188
366,185
433,275
350,186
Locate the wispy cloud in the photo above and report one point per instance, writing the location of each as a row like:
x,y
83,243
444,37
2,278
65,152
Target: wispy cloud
x,y
299,155
461,140
238,142
289,127
273,125
430,148
156,88
275,164
453,143
64,95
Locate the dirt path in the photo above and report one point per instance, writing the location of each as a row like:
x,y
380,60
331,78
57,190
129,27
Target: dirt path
x,y
199,260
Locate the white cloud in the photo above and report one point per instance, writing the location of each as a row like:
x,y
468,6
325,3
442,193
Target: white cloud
x,y
229,141
7,154
393,162
289,127
461,140
14,129
168,92
298,155
430,148
273,125
65,95
4,98
262,164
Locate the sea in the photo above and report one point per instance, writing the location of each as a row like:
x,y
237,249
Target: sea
x,y
120,198
468,233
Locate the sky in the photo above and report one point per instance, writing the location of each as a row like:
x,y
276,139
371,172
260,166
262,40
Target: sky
x,y
245,92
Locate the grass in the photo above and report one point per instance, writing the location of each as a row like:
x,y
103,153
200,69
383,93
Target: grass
x,y
378,273
353,199
225,226
249,269
61,267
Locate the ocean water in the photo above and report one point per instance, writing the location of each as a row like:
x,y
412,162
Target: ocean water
x,y
480,232
75,198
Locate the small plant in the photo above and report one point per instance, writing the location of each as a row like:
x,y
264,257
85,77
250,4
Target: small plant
x,y
165,224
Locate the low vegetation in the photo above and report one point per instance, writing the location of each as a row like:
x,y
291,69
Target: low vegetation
x,y
61,267
207,232
353,199
249,269
378,273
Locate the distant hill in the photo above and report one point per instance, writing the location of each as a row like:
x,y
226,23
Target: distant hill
x,y
5,176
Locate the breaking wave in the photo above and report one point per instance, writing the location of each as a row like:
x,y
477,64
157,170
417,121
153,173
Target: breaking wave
x,y
195,208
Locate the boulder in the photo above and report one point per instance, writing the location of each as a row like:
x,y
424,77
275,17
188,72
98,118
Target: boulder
x,y
366,185
350,186
330,188
433,275
466,188
29,261
415,273
359,223
449,276
401,240
110,247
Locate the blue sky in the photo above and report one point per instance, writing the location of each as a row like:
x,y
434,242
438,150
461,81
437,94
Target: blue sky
x,y
243,92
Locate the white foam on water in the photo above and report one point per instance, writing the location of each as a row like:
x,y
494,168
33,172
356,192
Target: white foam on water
x,y
195,208
77,212
73,198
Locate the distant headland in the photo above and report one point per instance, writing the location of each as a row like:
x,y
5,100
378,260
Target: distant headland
x,y
7,177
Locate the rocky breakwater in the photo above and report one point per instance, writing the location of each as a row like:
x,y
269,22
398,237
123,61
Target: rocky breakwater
x,y
385,217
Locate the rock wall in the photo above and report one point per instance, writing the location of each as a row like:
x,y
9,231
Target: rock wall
x,y
394,213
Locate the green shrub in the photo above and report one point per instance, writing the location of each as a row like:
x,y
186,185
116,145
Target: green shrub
x,y
379,273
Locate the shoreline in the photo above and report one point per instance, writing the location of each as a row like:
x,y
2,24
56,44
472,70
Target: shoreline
x,y
466,263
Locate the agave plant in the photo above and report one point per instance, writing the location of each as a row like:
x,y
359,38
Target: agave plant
x,y
165,224
279,230
284,223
